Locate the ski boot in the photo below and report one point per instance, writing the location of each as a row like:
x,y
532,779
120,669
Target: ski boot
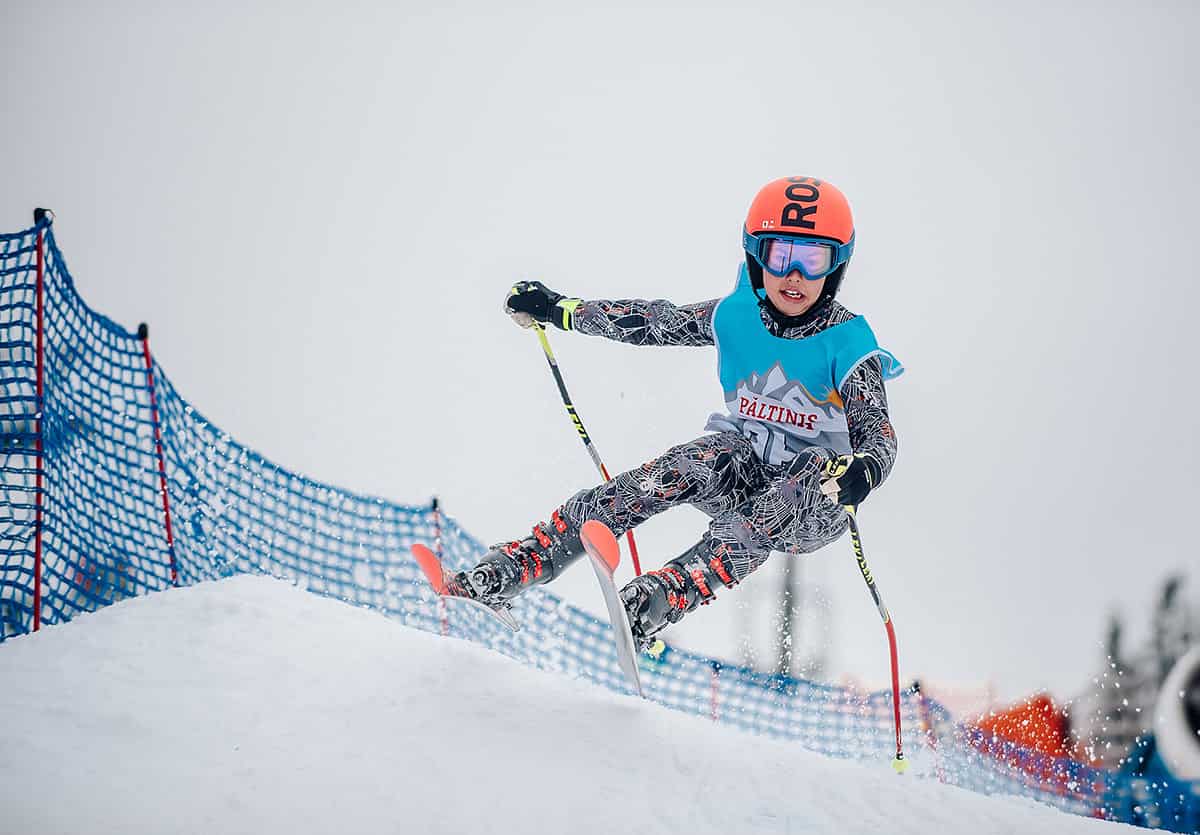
x,y
658,599
508,569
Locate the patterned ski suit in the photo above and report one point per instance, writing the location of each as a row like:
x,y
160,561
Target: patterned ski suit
x,y
756,507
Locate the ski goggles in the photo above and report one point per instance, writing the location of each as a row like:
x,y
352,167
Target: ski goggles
x,y
780,254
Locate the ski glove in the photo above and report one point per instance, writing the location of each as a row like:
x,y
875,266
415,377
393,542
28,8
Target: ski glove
x,y
849,478
530,301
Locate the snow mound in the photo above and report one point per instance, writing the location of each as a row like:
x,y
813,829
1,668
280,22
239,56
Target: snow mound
x,y
247,705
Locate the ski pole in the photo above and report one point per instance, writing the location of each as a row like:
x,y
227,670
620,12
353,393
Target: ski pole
x,y
583,435
900,764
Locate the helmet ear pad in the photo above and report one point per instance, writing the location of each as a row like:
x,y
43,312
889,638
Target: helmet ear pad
x,y
755,271
833,282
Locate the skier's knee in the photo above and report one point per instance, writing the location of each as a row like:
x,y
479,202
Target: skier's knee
x,y
682,473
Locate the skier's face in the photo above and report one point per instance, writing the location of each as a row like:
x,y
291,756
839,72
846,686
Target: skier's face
x,y
793,294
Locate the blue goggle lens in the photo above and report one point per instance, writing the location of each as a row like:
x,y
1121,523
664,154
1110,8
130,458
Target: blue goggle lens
x,y
782,255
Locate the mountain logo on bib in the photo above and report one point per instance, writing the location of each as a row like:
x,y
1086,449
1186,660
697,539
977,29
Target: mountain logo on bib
x,y
773,398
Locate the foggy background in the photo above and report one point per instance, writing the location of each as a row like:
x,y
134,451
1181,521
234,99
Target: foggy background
x,y
319,208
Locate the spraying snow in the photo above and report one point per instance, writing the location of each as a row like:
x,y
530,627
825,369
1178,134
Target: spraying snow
x,y
247,705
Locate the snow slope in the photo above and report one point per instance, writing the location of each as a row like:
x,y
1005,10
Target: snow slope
x,y
248,705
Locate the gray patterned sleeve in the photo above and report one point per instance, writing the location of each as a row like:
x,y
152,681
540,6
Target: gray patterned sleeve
x,y
871,431
640,322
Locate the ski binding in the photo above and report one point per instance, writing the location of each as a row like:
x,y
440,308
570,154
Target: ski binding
x,y
447,586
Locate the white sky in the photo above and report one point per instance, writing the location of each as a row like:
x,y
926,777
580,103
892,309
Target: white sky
x,y
319,208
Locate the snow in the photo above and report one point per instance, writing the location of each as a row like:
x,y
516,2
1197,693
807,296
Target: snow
x,y
248,705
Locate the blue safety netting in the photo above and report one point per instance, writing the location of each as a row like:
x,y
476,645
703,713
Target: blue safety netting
x,y
103,534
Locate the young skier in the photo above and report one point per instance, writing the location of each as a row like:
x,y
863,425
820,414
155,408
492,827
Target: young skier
x,y
804,392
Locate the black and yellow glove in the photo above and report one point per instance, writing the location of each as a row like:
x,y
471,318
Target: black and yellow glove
x,y
849,478
531,301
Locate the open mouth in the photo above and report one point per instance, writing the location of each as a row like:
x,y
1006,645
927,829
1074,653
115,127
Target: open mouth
x,y
793,295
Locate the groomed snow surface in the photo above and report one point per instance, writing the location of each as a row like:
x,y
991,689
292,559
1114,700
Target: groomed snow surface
x,y
249,706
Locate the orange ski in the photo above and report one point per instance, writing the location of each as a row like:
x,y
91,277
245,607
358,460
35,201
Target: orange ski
x,y
449,588
605,554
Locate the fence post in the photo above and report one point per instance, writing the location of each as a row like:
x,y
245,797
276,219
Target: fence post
x,y
436,507
714,690
39,218
930,731
143,334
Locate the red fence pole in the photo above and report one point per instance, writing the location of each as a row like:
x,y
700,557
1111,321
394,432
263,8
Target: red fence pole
x,y
436,507
714,691
930,731
38,217
144,335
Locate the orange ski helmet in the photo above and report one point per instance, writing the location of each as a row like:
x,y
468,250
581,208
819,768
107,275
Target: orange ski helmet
x,y
804,207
